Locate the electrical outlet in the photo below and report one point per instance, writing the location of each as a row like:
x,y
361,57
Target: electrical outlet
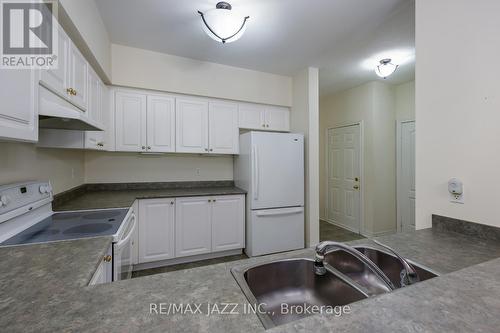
x,y
457,198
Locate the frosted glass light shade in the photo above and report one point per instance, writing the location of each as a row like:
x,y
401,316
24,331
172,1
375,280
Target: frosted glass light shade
x,y
386,68
223,24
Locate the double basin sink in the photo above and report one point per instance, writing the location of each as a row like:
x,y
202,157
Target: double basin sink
x,y
285,284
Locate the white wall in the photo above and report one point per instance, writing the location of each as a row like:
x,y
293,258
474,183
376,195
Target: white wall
x,y
377,105
458,108
140,68
23,161
88,31
103,167
305,119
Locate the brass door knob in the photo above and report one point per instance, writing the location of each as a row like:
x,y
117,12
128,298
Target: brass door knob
x,y
69,91
107,258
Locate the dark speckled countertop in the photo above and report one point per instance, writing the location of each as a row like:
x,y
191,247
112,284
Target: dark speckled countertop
x,y
42,290
101,196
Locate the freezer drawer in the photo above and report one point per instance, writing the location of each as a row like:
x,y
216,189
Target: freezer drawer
x,y
275,230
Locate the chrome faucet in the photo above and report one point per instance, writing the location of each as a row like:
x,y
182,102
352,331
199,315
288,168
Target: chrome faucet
x,y
326,247
408,275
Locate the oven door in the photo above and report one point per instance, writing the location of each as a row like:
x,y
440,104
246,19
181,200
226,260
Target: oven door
x,y
122,252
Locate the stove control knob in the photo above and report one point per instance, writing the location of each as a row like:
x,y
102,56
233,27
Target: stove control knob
x,y
4,200
43,189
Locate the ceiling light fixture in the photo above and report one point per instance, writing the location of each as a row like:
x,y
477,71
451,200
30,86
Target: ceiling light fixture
x,y
386,68
222,24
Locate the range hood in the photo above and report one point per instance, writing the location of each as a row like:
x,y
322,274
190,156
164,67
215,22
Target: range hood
x,y
56,113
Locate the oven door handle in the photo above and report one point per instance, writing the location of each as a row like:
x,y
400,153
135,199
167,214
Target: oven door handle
x,y
130,233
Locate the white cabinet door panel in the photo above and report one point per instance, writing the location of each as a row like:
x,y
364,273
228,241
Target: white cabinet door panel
x,y
224,131
277,118
78,77
193,227
251,116
130,118
58,79
228,223
161,124
156,229
191,125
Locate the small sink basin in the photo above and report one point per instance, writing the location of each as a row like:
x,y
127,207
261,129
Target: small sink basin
x,y
292,282
389,264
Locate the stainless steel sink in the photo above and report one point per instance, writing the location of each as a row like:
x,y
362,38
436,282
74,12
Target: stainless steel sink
x,y
389,264
293,282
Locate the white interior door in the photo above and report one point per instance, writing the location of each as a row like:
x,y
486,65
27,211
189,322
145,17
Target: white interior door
x,y
406,181
344,167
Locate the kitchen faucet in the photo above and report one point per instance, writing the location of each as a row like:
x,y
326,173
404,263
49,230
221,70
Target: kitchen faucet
x,y
326,247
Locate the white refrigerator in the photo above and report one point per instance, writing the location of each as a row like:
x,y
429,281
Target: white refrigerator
x,y
270,168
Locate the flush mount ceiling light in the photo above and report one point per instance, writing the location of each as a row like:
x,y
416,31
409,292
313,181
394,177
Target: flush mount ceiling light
x,y
223,24
386,68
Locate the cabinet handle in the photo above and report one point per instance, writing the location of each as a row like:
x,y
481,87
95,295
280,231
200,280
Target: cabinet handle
x,y
74,92
263,125
267,126
209,200
171,202
211,150
107,258
206,149
143,147
69,91
214,200
149,147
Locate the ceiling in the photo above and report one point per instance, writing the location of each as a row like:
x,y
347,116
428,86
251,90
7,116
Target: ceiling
x,y
342,38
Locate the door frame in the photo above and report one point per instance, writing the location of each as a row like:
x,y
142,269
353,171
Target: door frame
x,y
399,191
361,172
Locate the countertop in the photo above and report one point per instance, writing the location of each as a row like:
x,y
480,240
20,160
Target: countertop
x,y
42,290
101,199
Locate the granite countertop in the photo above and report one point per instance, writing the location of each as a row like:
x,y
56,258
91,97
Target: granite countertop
x,y
101,196
42,290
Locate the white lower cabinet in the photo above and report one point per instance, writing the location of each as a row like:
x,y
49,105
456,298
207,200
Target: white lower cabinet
x,y
104,272
190,226
193,226
228,223
156,230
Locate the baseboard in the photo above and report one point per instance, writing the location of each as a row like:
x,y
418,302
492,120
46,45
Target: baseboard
x,y
183,260
369,234
339,225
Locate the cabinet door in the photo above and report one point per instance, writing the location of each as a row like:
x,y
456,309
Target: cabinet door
x,y
156,229
161,124
193,229
251,116
95,98
130,120
57,79
228,223
224,131
78,77
19,105
104,272
277,118
191,116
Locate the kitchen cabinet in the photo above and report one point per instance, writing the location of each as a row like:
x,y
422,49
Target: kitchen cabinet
x,y
78,72
104,272
160,123
191,116
193,226
95,93
156,229
228,223
223,128
130,121
57,79
264,117
19,110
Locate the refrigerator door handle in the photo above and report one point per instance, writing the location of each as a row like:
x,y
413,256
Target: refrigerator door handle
x,y
283,211
255,184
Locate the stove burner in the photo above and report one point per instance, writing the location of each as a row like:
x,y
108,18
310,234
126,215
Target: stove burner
x,y
91,228
100,215
43,232
66,216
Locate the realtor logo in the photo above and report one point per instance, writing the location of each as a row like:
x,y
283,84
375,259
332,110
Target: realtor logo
x,y
29,34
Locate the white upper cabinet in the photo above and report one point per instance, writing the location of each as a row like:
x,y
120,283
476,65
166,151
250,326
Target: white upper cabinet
x,y
100,140
223,129
277,118
78,77
191,125
193,226
130,121
252,116
228,223
264,117
95,87
161,123
58,79
19,105
156,229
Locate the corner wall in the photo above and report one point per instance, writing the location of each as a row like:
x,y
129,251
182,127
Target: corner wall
x,y
458,109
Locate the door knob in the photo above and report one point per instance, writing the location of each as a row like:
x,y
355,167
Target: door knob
x,y
356,187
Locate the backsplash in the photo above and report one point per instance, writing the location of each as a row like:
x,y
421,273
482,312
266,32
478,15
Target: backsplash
x,y
443,223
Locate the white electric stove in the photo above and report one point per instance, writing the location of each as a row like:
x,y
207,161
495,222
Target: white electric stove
x,y
26,217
